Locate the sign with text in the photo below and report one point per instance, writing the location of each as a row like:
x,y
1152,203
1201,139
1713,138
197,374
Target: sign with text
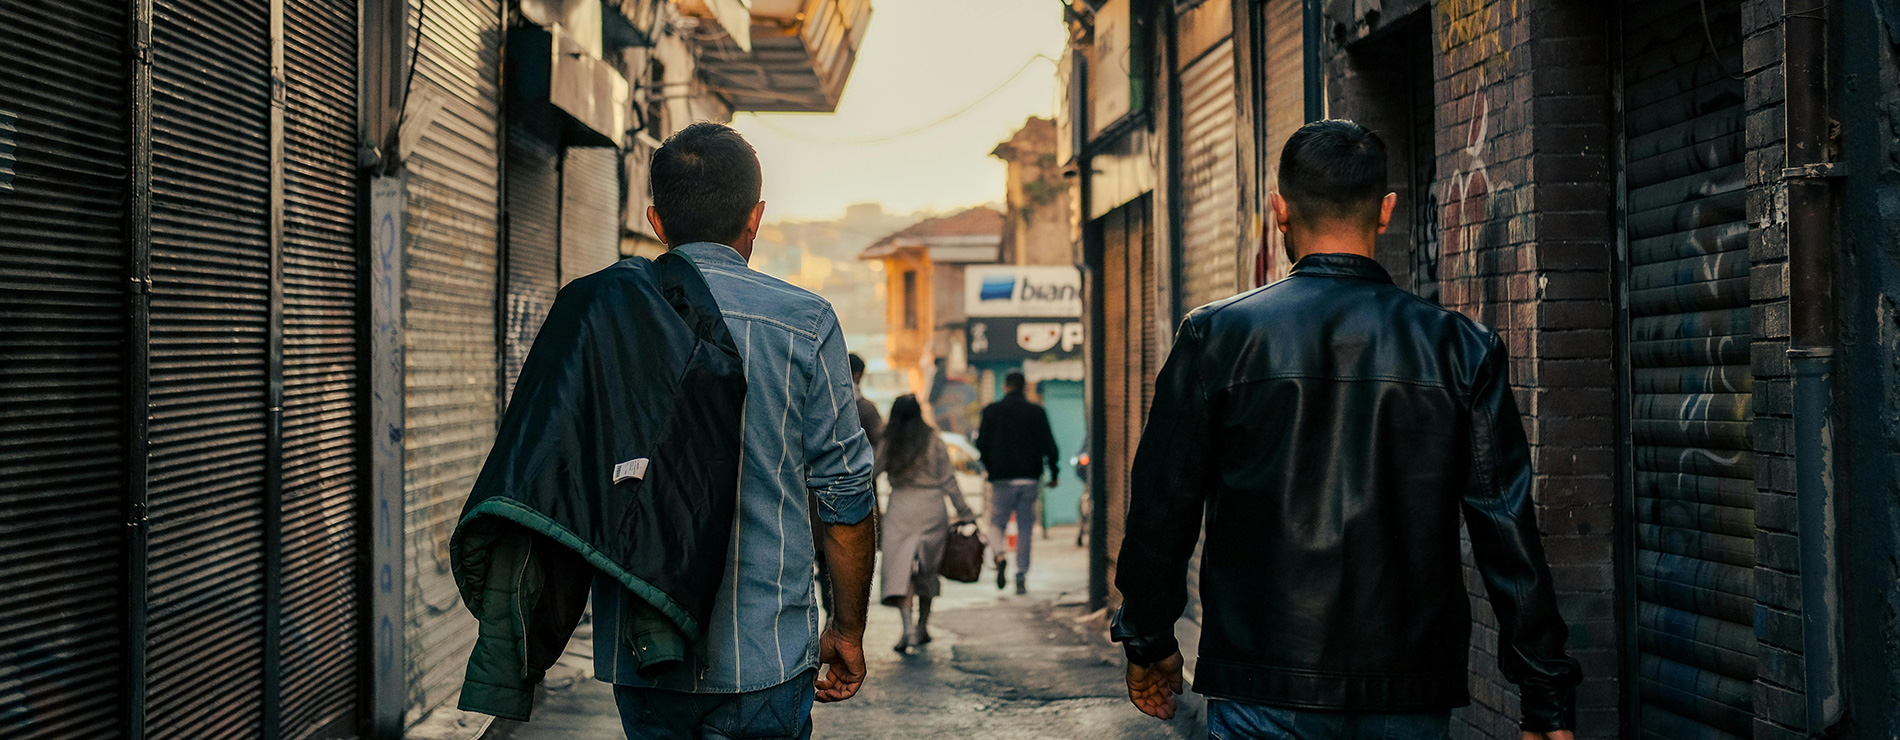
x,y
1021,338
1014,290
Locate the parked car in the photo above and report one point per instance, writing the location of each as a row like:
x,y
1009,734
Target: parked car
x,y
968,463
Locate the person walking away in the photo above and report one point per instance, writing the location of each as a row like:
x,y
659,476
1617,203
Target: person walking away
x,y
873,426
915,527
1015,442
1333,428
867,411
755,673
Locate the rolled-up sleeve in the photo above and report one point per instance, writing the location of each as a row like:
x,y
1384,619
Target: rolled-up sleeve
x,y
837,452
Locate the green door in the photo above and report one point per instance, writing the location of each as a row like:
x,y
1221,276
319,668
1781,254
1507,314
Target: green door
x,y
1063,400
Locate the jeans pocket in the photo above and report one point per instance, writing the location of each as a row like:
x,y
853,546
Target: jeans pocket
x,y
782,712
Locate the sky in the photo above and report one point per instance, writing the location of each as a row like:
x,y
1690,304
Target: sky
x,y
922,60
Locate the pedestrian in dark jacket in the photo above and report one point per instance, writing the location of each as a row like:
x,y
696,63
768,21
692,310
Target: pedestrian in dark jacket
x,y
1016,443
867,411
1334,428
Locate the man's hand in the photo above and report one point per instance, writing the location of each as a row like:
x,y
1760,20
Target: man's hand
x,y
843,660
851,551
1556,735
1153,688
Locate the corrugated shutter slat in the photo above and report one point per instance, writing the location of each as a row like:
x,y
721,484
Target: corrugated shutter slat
x,y
450,359
64,98
590,210
1688,345
322,454
211,286
534,233
1210,172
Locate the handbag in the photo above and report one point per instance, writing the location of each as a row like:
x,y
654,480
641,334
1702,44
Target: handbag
x,y
963,554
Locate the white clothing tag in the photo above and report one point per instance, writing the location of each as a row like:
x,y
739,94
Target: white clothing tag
x,y
635,469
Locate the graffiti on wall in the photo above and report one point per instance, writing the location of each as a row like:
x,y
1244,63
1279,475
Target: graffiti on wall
x,y
1471,24
1475,213
1464,202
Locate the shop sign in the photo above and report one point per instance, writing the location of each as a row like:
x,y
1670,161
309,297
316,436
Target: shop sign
x,y
1022,290
1017,338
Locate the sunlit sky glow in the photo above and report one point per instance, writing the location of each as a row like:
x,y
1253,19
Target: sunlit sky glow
x,y
921,61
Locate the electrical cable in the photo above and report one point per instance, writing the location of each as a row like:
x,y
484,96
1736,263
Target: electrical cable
x,y
915,129
415,56
1709,34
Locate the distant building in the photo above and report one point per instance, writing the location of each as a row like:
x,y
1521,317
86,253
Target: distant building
x,y
924,312
1025,313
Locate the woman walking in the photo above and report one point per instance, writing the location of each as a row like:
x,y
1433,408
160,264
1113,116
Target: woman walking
x,y
915,527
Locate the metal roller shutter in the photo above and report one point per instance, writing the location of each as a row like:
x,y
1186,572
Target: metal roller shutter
x,y
590,210
1143,310
534,238
211,293
1133,353
450,361
1286,109
322,456
64,134
1116,323
1686,290
1210,171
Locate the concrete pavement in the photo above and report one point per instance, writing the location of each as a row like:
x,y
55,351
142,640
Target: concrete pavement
x,y
1002,667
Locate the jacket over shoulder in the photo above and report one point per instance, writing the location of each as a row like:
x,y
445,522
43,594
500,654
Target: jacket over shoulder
x,y
619,452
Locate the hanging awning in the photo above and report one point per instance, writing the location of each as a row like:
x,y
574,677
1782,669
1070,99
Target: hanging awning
x,y
733,16
794,62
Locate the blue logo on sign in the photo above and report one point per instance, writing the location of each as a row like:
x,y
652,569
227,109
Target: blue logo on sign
x,y
998,288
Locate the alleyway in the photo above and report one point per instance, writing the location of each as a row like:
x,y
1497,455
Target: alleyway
x,y
1001,667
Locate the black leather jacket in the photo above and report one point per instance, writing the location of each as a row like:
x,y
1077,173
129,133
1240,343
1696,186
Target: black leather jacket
x,y
1333,428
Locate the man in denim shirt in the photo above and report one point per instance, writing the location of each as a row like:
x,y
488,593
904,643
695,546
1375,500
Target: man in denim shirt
x,y
754,674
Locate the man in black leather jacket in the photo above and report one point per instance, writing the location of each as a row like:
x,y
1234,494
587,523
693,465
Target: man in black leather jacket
x,y
1334,428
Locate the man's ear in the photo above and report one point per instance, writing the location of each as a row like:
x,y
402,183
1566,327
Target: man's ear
x,y
659,230
1282,214
1385,210
758,217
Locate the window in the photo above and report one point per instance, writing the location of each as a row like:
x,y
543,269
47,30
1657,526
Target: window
x,y
910,299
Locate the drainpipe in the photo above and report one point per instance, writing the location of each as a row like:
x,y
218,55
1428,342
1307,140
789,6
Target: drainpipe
x,y
1811,349
1312,21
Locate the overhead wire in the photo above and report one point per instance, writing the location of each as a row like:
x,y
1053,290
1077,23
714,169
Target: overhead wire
x,y
882,138
415,56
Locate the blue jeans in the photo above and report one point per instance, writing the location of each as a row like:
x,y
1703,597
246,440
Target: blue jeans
x,y
1232,720
782,712
1008,498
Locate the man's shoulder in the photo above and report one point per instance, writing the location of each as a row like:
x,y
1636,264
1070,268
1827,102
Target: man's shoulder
x,y
766,299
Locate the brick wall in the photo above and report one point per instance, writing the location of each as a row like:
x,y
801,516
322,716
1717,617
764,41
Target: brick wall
x,y
1524,187
1780,705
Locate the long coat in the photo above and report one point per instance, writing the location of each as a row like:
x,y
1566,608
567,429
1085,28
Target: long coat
x,y
915,526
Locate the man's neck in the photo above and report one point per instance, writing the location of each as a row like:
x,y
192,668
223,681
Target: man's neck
x,y
1333,242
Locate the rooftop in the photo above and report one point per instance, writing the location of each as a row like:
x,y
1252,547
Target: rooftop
x,y
974,235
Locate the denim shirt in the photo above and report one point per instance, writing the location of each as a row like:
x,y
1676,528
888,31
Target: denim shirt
x,y
801,434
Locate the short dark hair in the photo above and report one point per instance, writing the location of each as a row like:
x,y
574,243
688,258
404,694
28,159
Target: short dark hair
x,y
857,363
1013,380
1333,170
706,181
